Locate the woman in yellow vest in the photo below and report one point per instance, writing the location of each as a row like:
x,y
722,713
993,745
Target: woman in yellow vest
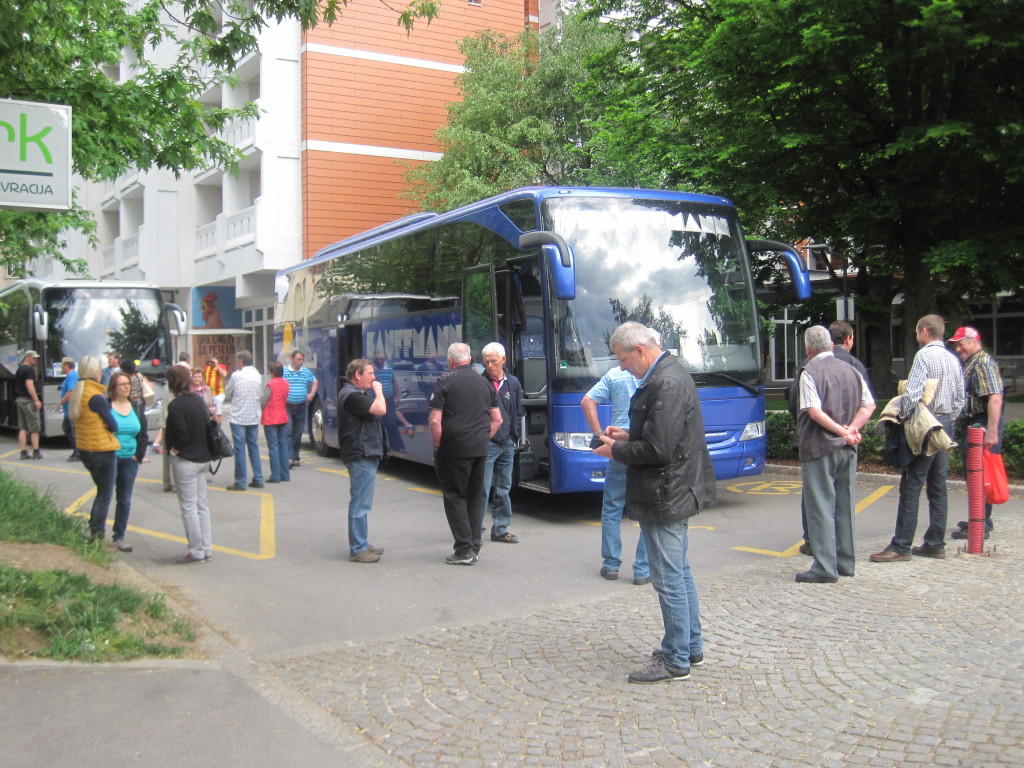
x,y
94,436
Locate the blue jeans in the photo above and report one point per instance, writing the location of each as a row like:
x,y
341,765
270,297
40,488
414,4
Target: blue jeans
x,y
361,474
499,470
279,448
244,436
611,524
296,423
677,592
102,466
127,469
931,470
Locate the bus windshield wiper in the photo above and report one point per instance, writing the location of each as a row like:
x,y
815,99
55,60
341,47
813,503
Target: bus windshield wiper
x,y
751,388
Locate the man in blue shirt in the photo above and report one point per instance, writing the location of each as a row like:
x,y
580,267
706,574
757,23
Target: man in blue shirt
x,y
66,388
615,387
302,386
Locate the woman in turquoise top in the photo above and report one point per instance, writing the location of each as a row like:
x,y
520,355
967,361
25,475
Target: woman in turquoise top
x,y
129,456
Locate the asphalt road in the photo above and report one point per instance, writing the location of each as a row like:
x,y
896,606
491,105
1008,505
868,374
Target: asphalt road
x,y
281,583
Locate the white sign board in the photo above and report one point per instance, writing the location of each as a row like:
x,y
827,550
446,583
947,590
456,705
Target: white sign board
x,y
35,155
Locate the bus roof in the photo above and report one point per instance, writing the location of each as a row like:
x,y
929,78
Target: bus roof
x,y
419,222
76,282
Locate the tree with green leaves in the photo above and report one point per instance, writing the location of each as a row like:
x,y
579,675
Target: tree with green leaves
x,y
890,130
521,119
129,110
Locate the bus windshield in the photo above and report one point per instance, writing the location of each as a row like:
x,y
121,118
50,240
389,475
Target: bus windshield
x,y
94,320
672,265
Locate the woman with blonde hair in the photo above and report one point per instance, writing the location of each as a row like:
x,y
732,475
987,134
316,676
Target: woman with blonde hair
x,y
95,426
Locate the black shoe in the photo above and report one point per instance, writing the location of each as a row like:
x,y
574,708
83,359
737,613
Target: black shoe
x,y
641,580
37,454
235,487
26,456
74,457
695,661
506,538
657,671
255,485
810,577
467,559
293,463
805,549
609,574
961,534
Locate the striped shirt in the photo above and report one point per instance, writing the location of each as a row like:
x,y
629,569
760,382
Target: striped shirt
x,y
300,383
934,361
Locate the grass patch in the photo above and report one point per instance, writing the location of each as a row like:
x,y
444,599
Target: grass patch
x,y
59,615
67,617
32,516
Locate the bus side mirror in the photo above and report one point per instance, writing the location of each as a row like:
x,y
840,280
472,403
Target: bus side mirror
x,y
180,318
40,322
797,266
558,257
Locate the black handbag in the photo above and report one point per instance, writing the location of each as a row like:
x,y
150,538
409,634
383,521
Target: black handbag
x,y
218,444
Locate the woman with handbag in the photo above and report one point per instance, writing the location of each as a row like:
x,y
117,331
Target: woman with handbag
x,y
94,438
275,423
129,455
185,440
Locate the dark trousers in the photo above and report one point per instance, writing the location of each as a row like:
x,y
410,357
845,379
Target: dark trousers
x,y
462,487
297,422
102,466
68,428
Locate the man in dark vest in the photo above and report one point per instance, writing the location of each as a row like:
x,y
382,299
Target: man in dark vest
x,y
835,403
363,444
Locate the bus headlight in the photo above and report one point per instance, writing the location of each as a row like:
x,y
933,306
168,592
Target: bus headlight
x,y
573,441
752,431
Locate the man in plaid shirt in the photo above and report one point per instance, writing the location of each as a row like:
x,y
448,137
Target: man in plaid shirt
x,y
932,361
983,389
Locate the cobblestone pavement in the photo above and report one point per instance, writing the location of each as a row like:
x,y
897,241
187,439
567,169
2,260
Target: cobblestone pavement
x,y
910,663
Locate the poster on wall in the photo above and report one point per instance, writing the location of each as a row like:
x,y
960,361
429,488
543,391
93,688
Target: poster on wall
x,y
213,308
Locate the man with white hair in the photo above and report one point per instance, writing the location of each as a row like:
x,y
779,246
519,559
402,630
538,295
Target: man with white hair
x,y
464,416
501,449
835,403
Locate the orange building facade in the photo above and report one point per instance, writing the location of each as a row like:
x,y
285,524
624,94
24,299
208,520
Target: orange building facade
x,y
372,99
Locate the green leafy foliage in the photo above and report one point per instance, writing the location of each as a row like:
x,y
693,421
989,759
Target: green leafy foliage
x,y
522,119
889,130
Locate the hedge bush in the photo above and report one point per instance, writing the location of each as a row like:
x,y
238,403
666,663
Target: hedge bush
x,y
780,435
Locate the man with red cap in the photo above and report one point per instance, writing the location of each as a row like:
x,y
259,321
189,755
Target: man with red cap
x,y
983,405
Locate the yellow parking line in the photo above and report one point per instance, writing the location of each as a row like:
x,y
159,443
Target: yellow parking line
x,y
864,504
268,538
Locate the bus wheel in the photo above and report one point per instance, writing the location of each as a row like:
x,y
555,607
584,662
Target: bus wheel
x,y
317,429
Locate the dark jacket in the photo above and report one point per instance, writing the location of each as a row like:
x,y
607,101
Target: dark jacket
x,y
185,430
360,437
669,475
515,391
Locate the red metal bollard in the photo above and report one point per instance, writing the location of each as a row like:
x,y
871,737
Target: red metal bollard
x,y
975,489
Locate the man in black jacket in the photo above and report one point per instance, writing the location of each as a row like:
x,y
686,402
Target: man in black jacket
x,y
669,479
502,448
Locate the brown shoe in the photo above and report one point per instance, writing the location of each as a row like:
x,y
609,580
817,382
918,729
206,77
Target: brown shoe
x,y
939,553
888,555
366,556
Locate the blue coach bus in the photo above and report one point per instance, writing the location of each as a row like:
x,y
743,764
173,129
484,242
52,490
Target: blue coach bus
x,y
550,273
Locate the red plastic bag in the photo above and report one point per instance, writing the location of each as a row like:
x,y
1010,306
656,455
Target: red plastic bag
x,y
997,488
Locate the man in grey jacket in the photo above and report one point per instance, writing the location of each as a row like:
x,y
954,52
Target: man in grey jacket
x,y
669,479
